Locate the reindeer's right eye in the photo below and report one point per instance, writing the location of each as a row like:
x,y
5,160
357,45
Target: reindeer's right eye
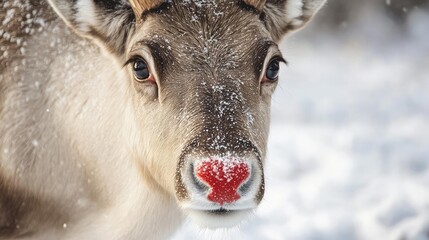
x,y
140,69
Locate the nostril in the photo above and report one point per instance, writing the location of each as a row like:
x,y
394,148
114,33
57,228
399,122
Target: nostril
x,y
197,183
223,177
245,188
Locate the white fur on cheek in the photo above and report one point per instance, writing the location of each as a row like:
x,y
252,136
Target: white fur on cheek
x,y
86,15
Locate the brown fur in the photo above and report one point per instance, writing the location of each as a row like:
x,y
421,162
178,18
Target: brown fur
x,y
21,209
18,208
17,30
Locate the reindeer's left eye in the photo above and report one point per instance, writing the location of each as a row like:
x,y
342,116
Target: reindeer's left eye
x,y
140,69
272,72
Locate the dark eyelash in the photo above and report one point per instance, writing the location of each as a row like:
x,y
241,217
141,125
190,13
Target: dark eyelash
x,y
132,60
280,59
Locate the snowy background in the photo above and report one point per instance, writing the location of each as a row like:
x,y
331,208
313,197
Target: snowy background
x,y
349,146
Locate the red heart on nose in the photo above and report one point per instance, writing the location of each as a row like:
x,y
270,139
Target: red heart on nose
x,y
224,178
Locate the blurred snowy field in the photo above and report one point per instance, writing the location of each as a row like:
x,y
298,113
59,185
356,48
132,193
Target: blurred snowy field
x,y
349,146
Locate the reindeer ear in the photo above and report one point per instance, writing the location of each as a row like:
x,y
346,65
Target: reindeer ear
x,y
109,22
282,16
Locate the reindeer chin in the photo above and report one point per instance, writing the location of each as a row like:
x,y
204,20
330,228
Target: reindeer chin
x,y
213,219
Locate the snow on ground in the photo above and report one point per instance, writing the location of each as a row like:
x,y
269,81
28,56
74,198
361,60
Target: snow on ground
x,y
349,145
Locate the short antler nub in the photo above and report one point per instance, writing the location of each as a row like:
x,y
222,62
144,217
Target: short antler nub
x,y
141,6
258,4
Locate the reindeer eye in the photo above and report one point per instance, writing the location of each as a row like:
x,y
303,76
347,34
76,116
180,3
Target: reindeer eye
x,y
272,72
140,69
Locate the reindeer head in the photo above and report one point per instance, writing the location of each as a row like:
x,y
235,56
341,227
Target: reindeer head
x,y
201,74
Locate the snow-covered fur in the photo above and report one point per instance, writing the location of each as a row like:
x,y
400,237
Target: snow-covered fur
x,y
89,152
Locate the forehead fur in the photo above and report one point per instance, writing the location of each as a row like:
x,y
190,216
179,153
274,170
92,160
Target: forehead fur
x,y
210,31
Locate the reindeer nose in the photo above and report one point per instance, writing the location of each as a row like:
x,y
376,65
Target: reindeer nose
x,y
223,177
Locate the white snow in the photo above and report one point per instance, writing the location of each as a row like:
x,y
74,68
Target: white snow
x,y
35,143
349,145
9,16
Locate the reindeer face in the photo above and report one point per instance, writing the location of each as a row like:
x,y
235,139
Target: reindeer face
x,y
203,77
202,74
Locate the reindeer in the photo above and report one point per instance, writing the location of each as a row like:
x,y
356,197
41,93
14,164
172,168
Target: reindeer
x,y
141,113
